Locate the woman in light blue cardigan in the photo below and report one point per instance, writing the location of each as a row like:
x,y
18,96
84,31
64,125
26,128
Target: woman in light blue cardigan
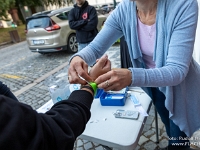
x,y
174,82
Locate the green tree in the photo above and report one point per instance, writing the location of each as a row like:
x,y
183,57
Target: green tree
x,y
34,3
6,5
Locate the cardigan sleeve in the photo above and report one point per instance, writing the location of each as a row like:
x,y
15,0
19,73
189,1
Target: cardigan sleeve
x,y
175,43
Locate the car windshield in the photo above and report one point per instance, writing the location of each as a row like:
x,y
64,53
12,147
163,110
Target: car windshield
x,y
41,22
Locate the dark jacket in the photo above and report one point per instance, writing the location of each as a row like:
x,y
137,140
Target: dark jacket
x,y
22,128
84,20
4,90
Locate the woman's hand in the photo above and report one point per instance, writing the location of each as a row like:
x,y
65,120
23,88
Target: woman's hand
x,y
114,80
77,68
102,66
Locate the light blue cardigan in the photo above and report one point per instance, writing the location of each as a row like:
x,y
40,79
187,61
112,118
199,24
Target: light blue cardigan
x,y
176,74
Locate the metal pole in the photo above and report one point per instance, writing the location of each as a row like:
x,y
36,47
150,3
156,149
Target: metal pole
x,y
114,2
106,147
156,123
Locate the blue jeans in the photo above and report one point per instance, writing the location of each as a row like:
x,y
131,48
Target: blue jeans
x,y
4,90
173,131
82,46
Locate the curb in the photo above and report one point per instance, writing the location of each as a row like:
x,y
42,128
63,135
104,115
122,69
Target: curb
x,y
2,44
10,45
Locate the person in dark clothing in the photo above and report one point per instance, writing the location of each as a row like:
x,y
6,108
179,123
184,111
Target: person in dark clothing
x,y
4,90
22,128
83,18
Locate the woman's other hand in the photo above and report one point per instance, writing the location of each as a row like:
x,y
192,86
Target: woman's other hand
x,y
102,66
78,67
114,80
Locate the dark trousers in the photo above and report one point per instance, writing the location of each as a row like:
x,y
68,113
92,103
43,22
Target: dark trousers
x,y
176,136
4,90
173,131
124,54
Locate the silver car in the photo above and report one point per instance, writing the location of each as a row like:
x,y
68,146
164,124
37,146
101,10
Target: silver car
x,y
49,31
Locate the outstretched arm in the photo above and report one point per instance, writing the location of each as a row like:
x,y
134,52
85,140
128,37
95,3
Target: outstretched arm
x,y
57,129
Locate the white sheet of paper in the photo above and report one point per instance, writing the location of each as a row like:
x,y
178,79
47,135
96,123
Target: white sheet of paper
x,y
141,110
138,105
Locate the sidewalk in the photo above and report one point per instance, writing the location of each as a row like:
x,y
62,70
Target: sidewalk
x,y
147,140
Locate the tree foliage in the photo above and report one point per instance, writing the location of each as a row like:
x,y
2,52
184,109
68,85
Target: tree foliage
x,y
5,5
41,2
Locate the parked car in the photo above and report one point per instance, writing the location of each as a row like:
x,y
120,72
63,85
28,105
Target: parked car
x,y
107,7
49,31
99,9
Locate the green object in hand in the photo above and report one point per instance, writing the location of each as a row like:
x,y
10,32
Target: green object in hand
x,y
94,87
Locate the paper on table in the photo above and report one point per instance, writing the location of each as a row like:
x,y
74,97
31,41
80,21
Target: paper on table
x,y
47,106
141,110
138,105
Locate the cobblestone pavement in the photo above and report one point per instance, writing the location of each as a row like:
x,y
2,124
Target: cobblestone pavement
x,y
35,90
20,67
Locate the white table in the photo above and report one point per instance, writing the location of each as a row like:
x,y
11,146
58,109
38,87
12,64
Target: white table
x,y
103,128
44,108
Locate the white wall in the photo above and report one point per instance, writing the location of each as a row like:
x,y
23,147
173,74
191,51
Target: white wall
x,y
196,53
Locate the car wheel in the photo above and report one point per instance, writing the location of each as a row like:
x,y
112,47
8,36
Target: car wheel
x,y
72,44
